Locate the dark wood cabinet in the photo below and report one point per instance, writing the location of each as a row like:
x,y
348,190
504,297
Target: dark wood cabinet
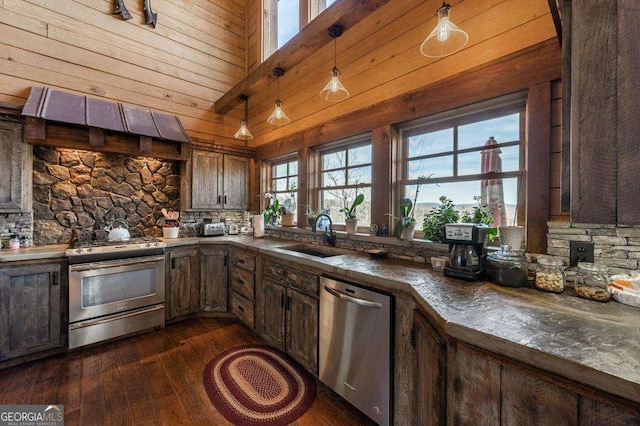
x,y
486,389
32,296
242,286
273,324
213,279
181,282
15,169
219,181
429,373
290,312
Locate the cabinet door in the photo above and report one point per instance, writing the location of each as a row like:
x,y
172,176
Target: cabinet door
x,y
15,169
429,373
236,182
302,329
273,323
206,180
29,310
213,279
474,388
182,283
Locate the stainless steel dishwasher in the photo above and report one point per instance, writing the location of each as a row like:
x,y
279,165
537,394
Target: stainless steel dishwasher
x,y
355,346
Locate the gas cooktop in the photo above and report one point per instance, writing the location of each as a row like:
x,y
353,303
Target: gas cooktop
x,y
133,246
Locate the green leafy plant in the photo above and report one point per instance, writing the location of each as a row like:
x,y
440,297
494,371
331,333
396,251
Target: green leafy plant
x,y
406,209
350,212
274,210
480,214
434,221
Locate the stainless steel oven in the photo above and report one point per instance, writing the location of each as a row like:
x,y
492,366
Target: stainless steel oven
x,y
110,298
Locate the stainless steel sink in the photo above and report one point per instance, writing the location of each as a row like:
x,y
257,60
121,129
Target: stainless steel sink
x,y
316,251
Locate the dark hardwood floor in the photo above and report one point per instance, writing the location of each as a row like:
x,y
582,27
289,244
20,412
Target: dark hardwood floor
x,y
149,379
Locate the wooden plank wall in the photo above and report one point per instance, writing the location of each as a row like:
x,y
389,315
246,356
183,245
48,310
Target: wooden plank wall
x,y
555,156
197,52
380,58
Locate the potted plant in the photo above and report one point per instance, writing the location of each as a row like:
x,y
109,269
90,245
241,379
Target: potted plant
x,y
480,214
273,212
288,207
351,222
434,221
406,225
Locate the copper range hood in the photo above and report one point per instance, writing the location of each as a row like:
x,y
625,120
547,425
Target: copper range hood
x,y
66,120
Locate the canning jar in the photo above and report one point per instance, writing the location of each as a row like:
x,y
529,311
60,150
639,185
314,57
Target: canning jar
x,y
550,274
507,268
14,242
591,282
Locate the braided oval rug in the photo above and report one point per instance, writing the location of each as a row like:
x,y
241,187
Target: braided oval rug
x,y
258,385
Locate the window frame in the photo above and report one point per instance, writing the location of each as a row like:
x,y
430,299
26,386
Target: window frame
x,y
484,110
308,11
270,177
316,175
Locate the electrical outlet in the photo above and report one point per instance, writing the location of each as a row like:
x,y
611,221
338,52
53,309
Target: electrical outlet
x,y
580,251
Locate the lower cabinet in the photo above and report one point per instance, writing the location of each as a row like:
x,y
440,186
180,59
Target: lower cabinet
x,y
486,390
32,304
214,271
182,288
430,373
290,316
242,286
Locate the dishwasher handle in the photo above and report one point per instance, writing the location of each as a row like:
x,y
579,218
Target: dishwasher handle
x,y
356,300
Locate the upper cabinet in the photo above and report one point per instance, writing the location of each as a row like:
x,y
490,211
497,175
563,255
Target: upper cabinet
x,y
15,169
218,181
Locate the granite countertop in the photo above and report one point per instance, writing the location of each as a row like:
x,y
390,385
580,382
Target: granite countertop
x,y
590,342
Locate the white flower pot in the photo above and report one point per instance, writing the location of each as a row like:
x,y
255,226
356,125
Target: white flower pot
x,y
351,225
170,232
407,233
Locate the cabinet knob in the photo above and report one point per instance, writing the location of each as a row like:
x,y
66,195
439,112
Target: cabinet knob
x,y
240,281
240,308
54,279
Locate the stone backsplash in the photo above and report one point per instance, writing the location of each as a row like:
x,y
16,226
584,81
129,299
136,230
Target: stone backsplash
x,y
617,247
15,223
78,192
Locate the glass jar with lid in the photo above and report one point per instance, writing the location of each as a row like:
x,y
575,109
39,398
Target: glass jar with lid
x,y
507,268
591,282
550,274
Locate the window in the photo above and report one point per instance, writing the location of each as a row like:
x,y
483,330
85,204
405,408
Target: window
x,y
474,154
345,171
283,19
284,183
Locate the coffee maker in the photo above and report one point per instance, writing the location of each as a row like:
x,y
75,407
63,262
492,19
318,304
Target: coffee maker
x,y
467,254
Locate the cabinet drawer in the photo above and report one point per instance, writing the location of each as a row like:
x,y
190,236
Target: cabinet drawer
x,y
242,308
243,282
243,260
294,278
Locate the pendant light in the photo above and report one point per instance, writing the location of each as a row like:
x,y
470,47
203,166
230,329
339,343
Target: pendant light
x,y
278,117
334,90
446,38
243,132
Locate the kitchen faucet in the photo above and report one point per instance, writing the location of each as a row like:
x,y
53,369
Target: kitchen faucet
x,y
329,235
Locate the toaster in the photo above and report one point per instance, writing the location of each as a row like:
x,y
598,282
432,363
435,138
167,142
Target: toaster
x,y
212,229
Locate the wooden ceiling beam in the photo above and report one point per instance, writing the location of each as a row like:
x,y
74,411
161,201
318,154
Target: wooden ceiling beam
x,y
311,38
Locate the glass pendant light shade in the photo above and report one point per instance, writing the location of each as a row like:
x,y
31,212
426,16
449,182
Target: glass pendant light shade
x,y
334,90
278,117
446,38
243,132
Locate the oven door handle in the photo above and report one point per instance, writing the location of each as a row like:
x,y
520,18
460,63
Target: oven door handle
x,y
115,263
85,324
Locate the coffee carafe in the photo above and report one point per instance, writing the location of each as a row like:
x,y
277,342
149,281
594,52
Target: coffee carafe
x,y
467,242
